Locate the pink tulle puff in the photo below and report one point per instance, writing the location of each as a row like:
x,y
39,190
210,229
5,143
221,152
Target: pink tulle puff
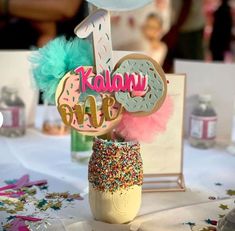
x,y
144,128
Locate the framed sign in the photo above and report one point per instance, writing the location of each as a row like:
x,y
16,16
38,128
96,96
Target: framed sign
x,y
163,158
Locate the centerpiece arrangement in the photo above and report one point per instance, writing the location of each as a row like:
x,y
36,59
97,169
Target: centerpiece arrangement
x,y
119,104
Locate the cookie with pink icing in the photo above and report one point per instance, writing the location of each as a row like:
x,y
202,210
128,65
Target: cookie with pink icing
x,y
90,113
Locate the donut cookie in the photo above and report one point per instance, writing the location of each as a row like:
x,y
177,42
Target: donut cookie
x,y
156,89
90,113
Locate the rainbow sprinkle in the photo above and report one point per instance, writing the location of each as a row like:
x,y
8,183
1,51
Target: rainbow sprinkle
x,y
115,165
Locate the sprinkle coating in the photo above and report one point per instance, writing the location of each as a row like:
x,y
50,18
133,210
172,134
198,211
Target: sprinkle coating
x,y
115,165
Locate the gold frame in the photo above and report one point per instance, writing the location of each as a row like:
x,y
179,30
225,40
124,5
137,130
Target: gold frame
x,y
180,183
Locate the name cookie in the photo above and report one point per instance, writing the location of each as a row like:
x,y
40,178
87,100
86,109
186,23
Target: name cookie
x,y
90,113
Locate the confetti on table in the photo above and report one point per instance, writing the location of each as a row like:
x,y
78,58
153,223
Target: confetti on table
x,y
211,222
27,218
231,192
39,226
23,182
29,192
18,223
64,195
41,204
11,207
12,194
10,218
223,207
12,181
203,228
55,205
218,184
209,228
191,224
19,194
43,187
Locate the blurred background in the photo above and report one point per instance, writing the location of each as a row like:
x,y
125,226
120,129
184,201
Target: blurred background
x,y
178,34
167,29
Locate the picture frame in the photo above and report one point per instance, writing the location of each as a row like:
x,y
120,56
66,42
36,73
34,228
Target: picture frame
x,y
163,158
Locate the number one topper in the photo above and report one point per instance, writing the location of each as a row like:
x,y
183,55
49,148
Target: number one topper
x,y
98,25
136,85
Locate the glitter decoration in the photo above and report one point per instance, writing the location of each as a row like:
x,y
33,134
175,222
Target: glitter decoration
x,y
231,192
223,207
22,201
218,184
191,224
64,195
115,165
211,222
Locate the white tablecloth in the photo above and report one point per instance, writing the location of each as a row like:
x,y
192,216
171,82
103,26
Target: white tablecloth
x,y
48,157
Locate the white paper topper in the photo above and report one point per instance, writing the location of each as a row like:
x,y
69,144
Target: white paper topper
x,y
98,24
120,5
1,119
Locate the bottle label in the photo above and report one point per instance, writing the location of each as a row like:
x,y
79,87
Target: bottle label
x,y
13,117
203,127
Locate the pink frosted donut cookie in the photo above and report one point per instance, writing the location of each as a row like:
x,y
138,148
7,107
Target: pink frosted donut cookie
x,y
90,113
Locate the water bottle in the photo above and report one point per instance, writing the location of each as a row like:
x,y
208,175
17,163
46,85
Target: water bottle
x,y
12,108
203,120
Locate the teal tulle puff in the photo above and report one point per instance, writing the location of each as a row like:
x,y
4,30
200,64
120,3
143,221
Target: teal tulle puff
x,y
54,60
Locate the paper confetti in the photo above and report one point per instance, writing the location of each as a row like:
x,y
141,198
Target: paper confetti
x,y
43,187
39,226
231,192
41,204
191,224
223,207
218,184
211,222
13,181
10,218
11,207
64,195
55,205
16,196
209,228
18,223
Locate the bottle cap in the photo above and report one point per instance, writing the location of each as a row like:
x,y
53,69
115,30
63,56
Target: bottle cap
x,y
205,98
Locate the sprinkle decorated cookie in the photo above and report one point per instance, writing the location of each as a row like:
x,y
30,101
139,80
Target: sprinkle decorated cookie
x,y
154,95
90,112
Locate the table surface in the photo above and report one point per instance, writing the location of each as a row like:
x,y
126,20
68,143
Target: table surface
x,y
43,156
